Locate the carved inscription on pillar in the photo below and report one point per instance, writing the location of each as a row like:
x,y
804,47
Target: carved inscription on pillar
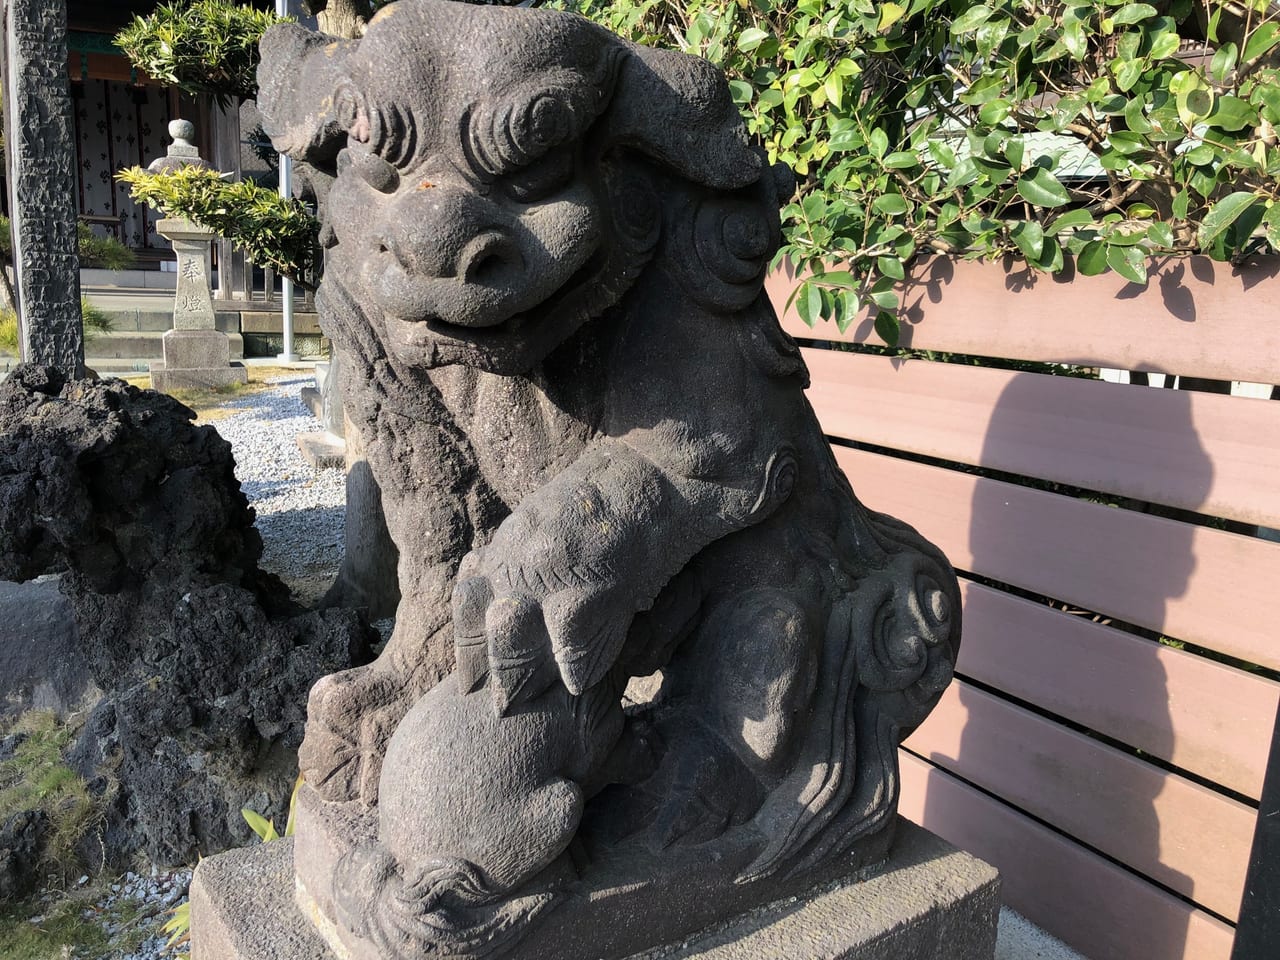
x,y
42,164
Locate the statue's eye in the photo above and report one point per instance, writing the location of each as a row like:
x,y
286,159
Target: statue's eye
x,y
542,178
512,136
385,128
352,112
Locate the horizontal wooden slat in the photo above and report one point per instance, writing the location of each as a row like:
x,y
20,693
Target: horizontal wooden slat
x,y
1203,716
1196,451
1176,324
1185,836
1099,909
1200,585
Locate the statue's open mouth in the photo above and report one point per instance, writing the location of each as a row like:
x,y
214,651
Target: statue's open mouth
x,y
547,318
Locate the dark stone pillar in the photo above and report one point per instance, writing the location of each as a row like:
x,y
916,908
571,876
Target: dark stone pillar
x,y
43,183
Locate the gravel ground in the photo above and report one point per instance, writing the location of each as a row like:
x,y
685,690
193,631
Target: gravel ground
x,y
155,897
300,509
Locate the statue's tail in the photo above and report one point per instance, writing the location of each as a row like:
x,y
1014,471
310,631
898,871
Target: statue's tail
x,y
889,652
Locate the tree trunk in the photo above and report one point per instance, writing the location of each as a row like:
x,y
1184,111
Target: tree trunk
x,y
344,18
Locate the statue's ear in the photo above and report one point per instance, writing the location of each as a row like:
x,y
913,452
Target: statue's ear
x,y
677,109
298,76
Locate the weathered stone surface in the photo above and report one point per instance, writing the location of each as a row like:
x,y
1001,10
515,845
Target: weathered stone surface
x,y
40,666
196,378
195,349
929,901
193,297
597,463
243,902
19,853
41,149
203,661
322,450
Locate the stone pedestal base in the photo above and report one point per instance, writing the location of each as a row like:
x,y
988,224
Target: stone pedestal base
x,y
930,901
323,450
196,359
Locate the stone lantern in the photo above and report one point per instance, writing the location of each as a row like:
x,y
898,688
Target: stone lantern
x,y
196,353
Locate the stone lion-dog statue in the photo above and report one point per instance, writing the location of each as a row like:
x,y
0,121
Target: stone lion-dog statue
x,y
546,255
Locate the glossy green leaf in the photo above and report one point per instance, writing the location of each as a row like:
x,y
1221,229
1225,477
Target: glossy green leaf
x,y
809,304
1133,13
887,327
1194,97
751,38
1224,213
1262,39
1092,260
1071,220
891,267
1127,73
1135,117
971,19
994,111
1051,257
1164,45
1223,62
878,141
1074,40
1029,236
1200,155
1041,188
890,13
901,160
885,299
1232,113
1161,235
890,204
836,278
1129,262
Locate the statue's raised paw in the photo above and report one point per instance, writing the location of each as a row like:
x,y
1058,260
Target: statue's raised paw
x,y
526,620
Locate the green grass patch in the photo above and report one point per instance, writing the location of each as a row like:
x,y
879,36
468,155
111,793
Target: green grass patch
x,y
37,778
72,926
96,323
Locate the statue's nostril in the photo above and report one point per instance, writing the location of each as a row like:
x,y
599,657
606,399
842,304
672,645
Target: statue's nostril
x,y
485,269
489,260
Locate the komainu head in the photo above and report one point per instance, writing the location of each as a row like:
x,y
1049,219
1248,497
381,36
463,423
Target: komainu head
x,y
501,176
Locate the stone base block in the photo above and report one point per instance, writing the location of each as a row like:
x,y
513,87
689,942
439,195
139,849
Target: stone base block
x,y
929,902
322,449
242,908
195,349
196,378
313,401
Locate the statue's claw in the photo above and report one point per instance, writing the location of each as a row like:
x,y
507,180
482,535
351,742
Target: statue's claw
x,y
526,622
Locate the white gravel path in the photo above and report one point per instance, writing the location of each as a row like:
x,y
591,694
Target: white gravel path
x,y
300,509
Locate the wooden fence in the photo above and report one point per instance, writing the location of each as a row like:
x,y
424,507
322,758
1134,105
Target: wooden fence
x,y
240,283
1105,742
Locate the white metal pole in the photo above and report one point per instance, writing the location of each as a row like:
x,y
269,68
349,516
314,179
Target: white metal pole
x,y
286,292
286,190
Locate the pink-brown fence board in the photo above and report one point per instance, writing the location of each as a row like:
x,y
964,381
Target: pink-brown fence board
x,y
1106,741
